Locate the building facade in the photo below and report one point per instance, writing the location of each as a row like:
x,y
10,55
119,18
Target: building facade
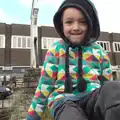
x,y
15,46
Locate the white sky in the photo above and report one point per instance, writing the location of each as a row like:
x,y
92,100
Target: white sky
x,y
109,14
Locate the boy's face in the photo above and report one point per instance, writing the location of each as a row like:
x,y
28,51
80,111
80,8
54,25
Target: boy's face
x,y
74,25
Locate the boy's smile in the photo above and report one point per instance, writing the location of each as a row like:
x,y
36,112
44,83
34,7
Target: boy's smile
x,y
74,25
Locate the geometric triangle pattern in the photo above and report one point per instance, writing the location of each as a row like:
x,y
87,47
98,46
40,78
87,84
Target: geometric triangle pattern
x,y
96,68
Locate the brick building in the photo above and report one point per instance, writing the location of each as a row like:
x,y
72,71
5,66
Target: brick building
x,y
15,46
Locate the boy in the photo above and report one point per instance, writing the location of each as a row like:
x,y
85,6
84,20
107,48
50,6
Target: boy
x,y
74,70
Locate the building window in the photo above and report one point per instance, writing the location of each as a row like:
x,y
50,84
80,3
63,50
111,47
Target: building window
x,y
22,42
14,42
116,46
28,42
48,41
19,42
105,45
2,41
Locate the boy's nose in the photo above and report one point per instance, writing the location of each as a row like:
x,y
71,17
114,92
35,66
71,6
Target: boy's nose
x,y
76,26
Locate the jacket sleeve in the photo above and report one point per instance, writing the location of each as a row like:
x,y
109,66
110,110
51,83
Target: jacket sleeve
x,y
106,70
45,86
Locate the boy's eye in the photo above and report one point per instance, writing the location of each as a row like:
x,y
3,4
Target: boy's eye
x,y
68,22
84,22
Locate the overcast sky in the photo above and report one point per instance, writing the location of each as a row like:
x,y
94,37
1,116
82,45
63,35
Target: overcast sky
x,y
18,11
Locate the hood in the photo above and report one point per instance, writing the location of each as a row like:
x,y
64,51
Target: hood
x,y
90,13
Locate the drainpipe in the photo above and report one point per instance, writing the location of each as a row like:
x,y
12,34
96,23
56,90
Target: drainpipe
x,y
34,62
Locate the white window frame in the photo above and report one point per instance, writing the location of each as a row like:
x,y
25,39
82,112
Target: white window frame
x,y
107,45
3,41
11,67
16,45
48,41
118,47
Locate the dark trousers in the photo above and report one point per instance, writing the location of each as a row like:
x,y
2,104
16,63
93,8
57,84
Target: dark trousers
x,y
101,104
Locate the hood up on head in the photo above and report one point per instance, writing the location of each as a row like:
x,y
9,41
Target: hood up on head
x,y
90,13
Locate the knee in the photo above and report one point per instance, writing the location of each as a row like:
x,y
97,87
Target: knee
x,y
109,94
111,86
110,91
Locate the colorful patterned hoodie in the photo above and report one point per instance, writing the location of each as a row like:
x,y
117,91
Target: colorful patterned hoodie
x,y
66,65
